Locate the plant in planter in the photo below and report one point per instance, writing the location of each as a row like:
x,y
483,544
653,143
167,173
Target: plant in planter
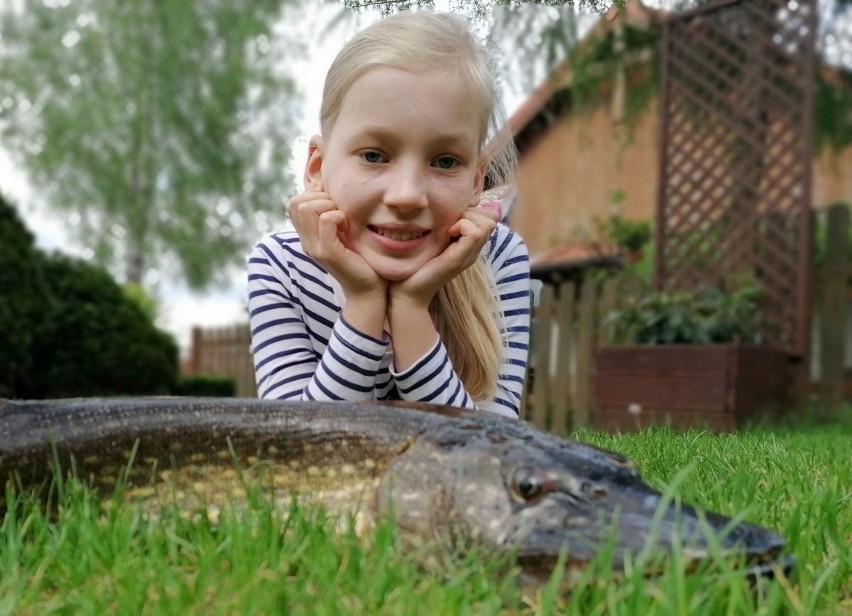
x,y
708,316
688,359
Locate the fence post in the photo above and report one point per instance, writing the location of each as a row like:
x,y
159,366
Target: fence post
x,y
608,303
833,317
566,322
585,354
196,351
541,358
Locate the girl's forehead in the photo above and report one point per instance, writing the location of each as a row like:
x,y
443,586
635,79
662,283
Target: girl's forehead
x,y
429,87
404,76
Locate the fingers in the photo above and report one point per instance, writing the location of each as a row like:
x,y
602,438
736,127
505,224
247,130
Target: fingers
x,y
317,221
322,230
329,226
304,209
477,223
469,235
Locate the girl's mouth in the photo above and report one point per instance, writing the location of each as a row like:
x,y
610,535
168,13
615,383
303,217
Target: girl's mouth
x,y
400,236
397,239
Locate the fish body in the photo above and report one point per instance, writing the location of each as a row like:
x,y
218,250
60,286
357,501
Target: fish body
x,y
448,476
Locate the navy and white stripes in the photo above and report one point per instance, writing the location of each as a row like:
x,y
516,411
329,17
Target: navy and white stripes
x,y
303,349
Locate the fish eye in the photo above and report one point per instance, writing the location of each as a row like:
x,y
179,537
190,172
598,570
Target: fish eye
x,y
529,483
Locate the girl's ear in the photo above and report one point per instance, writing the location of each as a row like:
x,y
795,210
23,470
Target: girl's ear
x,y
313,166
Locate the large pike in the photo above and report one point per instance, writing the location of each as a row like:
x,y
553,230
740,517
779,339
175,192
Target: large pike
x,y
455,477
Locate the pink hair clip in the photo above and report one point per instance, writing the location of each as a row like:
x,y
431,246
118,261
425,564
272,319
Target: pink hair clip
x,y
494,206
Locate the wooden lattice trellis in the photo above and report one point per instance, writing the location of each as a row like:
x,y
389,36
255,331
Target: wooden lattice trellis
x,y
736,148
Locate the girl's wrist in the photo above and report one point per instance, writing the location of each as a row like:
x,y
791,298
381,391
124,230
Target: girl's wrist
x,y
411,297
366,312
407,303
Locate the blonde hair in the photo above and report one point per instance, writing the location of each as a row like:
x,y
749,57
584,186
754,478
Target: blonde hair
x,y
466,310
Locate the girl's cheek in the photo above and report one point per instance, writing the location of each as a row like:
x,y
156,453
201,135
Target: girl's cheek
x,y
349,239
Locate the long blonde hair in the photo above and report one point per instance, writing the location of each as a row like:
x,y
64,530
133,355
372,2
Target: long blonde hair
x,y
466,310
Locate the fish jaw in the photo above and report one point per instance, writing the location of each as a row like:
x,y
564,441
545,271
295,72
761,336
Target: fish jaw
x,y
465,487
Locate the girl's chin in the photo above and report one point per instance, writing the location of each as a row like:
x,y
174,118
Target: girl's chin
x,y
395,274
394,270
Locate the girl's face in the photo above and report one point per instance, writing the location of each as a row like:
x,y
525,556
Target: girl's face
x,y
402,161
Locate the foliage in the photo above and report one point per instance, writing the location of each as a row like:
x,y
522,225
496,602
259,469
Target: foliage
x,y
707,316
146,302
94,341
596,61
477,9
162,128
832,102
205,385
23,299
69,330
632,236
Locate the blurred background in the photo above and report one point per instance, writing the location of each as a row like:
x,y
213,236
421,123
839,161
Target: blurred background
x,y
157,142
292,43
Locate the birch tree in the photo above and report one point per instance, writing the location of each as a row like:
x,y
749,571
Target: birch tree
x,y
158,130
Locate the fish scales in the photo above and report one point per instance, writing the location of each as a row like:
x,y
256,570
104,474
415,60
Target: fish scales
x,y
454,477
196,447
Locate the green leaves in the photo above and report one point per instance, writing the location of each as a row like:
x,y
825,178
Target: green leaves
x,y
706,316
164,127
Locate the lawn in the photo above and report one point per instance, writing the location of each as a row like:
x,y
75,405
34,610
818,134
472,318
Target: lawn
x,y
87,559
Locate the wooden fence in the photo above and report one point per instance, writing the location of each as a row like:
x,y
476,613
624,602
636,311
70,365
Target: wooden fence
x,y
568,325
223,351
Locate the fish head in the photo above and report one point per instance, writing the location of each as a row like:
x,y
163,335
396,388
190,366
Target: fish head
x,y
511,489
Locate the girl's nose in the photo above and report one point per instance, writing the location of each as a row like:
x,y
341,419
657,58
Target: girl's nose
x,y
406,188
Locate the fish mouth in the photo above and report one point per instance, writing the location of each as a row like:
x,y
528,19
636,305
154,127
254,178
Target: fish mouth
x,y
538,566
537,569
678,535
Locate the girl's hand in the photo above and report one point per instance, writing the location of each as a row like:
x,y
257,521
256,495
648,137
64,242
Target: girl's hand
x,y
468,236
321,226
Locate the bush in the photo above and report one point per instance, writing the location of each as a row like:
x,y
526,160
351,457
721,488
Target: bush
x,y
24,298
68,329
707,316
205,385
95,341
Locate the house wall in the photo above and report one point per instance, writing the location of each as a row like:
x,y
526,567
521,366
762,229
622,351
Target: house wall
x,y
567,177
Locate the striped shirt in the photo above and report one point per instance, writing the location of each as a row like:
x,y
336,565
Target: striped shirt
x,y
303,349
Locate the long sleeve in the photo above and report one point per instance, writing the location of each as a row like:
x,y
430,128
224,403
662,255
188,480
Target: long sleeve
x,y
432,378
302,348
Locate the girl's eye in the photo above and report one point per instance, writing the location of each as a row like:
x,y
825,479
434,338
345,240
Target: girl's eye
x,y
446,162
372,156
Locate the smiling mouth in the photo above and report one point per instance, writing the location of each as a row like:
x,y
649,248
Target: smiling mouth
x,y
399,236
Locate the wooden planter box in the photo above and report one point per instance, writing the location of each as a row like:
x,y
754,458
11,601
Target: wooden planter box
x,y
719,386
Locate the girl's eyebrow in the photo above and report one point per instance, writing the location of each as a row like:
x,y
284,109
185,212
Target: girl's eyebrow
x,y
392,136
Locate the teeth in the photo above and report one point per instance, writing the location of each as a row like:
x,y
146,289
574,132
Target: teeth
x,y
402,236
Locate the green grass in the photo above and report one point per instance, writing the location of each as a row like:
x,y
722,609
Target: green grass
x,y
84,559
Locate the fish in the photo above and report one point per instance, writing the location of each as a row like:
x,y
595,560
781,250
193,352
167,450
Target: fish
x,y
453,478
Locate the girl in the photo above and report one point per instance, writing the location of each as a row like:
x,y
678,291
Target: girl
x,y
398,281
